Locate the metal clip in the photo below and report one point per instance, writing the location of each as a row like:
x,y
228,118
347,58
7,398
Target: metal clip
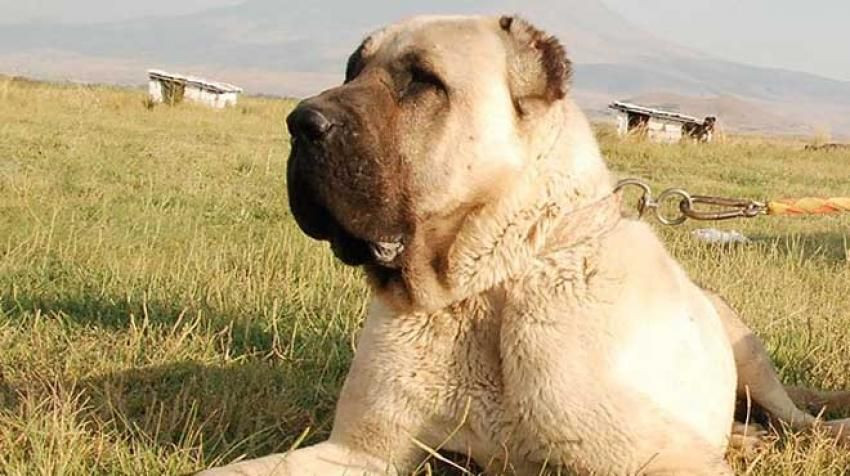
x,y
735,208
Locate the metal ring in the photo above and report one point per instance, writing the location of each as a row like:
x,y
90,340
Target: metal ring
x,y
686,200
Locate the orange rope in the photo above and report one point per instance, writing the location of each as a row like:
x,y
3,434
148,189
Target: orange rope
x,y
809,206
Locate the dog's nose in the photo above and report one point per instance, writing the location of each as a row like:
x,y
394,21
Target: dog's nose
x,y
309,123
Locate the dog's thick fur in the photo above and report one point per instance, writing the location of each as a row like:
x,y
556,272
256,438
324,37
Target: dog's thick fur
x,y
525,323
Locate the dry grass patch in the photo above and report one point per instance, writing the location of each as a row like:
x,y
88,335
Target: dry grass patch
x,y
160,311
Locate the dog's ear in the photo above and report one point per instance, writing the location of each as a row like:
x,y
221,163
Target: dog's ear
x,y
538,68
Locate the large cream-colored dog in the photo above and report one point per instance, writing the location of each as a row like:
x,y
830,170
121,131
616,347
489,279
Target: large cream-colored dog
x,y
515,317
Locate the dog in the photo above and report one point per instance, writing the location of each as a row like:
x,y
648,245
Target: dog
x,y
700,132
516,316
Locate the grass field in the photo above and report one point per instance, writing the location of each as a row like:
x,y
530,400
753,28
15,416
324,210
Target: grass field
x,y
160,312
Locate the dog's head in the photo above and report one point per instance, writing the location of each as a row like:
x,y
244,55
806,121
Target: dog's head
x,y
430,124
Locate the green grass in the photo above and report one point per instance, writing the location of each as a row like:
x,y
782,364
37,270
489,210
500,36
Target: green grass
x,y
161,312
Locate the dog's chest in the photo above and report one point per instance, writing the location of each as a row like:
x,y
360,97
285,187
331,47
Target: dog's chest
x,y
473,363
504,361
450,366
457,378
467,383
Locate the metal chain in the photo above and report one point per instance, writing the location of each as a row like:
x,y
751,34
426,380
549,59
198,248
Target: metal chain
x,y
732,207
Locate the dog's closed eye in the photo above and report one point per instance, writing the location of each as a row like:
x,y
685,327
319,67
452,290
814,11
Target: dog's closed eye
x,y
421,80
425,77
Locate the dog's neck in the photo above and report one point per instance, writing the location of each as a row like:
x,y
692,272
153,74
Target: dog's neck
x,y
565,176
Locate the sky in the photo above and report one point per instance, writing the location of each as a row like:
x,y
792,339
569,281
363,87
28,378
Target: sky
x,y
811,36
94,11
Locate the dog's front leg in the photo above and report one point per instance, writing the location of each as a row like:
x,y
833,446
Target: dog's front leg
x,y
383,415
367,439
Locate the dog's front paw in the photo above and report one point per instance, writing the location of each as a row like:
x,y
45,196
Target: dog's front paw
x,y
274,465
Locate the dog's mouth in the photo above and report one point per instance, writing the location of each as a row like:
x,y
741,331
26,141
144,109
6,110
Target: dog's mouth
x,y
385,252
369,233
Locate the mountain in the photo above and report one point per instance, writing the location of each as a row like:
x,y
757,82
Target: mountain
x,y
316,36
296,48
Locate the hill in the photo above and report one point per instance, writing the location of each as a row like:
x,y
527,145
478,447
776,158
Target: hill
x,y
297,48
